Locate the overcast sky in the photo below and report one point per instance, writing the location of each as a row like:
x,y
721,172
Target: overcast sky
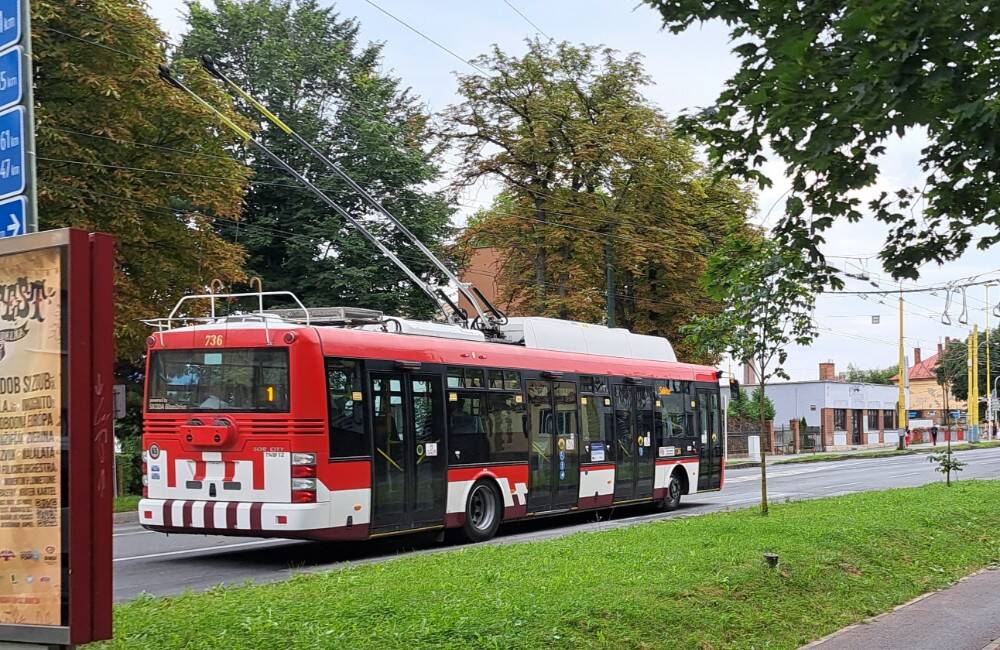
x,y
688,70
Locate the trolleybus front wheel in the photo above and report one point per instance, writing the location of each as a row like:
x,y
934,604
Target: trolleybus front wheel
x,y
672,500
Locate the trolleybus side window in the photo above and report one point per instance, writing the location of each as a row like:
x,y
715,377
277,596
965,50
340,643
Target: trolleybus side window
x,y
508,440
596,420
467,428
465,378
671,424
347,414
486,427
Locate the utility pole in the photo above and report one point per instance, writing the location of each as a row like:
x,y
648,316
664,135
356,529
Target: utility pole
x,y
903,370
974,395
989,382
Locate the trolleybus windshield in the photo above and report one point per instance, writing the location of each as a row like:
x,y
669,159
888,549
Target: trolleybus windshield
x,y
246,379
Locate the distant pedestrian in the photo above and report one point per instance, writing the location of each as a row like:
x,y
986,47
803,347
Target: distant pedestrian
x,y
934,432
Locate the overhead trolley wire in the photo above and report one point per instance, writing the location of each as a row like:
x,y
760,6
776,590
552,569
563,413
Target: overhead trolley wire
x,y
526,19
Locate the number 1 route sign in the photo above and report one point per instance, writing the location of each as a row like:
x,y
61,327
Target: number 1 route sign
x,y
10,22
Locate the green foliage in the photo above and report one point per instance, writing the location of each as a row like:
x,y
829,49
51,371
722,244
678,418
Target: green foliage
x,y
593,175
872,375
748,408
946,463
97,107
768,306
545,595
952,368
768,303
307,65
826,84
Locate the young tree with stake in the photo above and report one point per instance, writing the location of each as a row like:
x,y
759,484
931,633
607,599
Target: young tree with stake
x,y
769,304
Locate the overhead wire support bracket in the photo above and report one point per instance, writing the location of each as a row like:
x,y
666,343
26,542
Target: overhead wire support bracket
x,y
167,75
488,317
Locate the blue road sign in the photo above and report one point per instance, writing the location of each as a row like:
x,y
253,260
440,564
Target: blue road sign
x,y
12,171
12,213
10,22
10,77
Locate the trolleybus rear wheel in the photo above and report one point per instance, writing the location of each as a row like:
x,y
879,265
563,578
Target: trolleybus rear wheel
x,y
482,512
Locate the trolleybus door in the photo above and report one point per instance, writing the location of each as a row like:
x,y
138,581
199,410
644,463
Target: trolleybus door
x,y
710,439
555,446
408,463
635,463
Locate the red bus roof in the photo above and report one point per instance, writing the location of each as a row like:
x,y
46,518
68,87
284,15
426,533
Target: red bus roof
x,y
426,349
363,344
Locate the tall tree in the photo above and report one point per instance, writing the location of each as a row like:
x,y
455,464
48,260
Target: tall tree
x,y
121,152
307,65
768,306
826,84
871,375
952,368
593,178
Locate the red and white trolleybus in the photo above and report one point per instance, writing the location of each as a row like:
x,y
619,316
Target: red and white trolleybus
x,y
280,423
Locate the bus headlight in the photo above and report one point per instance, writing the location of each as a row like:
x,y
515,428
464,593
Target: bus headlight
x,y
299,458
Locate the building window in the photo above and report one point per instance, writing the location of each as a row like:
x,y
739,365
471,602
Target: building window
x,y
889,418
873,420
840,419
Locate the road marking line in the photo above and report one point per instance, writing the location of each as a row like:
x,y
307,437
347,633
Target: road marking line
x,y
138,532
196,550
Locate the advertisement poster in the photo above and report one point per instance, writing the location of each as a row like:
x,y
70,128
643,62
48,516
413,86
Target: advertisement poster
x,y
30,438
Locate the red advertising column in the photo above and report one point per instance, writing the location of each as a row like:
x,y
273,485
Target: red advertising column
x,y
56,441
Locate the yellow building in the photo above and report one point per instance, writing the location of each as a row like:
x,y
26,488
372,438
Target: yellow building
x,y
927,401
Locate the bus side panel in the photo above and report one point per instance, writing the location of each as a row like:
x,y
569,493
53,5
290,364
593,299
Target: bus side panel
x,y
512,480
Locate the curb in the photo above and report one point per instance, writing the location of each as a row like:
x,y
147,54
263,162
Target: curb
x,y
126,517
869,621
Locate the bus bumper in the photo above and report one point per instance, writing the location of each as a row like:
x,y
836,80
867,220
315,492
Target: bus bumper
x,y
239,518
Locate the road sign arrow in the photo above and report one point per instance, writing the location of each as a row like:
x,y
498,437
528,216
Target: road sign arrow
x,y
15,227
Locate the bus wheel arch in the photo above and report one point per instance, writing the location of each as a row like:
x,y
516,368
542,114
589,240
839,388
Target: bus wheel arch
x,y
677,485
483,510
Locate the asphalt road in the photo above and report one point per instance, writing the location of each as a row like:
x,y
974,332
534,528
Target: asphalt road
x,y
169,564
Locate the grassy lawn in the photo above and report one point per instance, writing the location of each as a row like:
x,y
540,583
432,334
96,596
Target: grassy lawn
x,y
694,582
127,503
884,453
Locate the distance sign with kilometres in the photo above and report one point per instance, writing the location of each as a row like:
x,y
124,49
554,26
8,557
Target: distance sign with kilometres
x,y
10,22
12,176
10,77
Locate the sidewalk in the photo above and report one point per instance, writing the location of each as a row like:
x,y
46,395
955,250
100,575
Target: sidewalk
x,y
965,616
738,463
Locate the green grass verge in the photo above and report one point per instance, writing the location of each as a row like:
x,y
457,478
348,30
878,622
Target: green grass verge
x,y
881,453
127,503
694,582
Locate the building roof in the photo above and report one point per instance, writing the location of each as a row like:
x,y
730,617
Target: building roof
x,y
923,370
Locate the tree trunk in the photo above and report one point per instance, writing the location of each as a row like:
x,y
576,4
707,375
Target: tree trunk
x,y
763,452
